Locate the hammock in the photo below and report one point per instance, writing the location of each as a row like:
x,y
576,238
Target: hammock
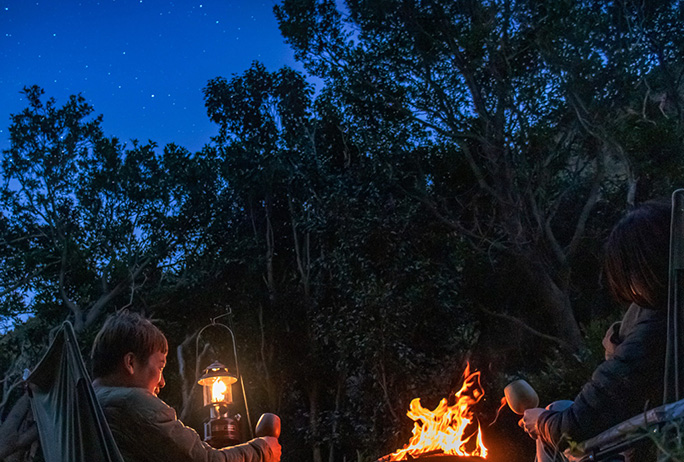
x,y
71,425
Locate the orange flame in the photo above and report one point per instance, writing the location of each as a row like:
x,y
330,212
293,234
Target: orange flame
x,y
444,429
218,391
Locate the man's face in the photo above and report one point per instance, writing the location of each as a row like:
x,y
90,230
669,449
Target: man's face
x,y
149,375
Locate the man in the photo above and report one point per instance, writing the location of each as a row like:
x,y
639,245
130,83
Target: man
x,y
128,356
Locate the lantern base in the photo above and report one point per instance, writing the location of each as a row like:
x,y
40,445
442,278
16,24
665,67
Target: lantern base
x,y
221,432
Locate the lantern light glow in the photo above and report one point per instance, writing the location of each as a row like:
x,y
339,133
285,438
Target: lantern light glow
x,y
216,384
218,391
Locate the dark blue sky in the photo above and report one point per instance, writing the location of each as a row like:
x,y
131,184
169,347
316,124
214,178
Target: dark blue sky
x,y
140,63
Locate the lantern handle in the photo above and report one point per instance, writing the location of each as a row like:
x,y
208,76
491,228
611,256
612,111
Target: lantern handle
x,y
237,367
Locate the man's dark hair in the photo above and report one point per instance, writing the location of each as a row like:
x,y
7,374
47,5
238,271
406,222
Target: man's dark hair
x,y
637,255
123,333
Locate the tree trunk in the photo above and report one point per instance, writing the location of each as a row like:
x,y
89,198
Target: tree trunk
x,y
553,305
265,356
336,416
313,423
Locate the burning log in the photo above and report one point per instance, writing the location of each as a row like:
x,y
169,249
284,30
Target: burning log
x,y
449,432
440,458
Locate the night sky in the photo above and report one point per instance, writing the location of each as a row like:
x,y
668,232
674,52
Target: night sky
x,y
140,63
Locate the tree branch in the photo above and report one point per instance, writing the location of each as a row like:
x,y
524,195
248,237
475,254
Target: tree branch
x,y
96,309
13,437
589,204
25,279
518,322
73,307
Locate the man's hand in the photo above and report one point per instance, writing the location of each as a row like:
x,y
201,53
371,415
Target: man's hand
x,y
529,421
274,447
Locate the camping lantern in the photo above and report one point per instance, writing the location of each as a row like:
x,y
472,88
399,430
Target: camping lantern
x,y
217,384
222,427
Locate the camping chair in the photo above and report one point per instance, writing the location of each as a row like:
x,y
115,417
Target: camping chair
x,y
71,424
664,419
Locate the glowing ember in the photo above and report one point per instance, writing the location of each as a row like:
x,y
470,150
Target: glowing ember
x,y
447,429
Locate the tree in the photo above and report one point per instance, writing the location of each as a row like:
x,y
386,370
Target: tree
x,y
345,271
87,226
460,156
528,111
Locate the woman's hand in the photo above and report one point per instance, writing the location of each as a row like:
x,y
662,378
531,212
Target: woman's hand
x,y
529,421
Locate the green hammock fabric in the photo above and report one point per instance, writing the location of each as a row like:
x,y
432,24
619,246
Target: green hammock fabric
x,y
71,425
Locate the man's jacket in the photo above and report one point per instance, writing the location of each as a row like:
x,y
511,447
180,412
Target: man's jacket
x,y
146,430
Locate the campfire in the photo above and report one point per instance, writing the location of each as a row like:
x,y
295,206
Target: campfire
x,y
448,430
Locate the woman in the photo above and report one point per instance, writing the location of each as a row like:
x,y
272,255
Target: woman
x,y
631,379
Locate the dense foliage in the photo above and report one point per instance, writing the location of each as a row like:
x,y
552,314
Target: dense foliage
x,y
442,198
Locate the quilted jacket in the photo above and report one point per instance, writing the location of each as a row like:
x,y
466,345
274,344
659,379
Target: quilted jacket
x,y
623,386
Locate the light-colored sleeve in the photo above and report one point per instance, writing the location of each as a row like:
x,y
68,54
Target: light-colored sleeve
x,y
178,442
145,428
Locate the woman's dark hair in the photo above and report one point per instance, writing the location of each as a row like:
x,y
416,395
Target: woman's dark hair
x,y
124,333
637,255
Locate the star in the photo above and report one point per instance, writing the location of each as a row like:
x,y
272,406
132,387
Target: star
x,y
155,61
